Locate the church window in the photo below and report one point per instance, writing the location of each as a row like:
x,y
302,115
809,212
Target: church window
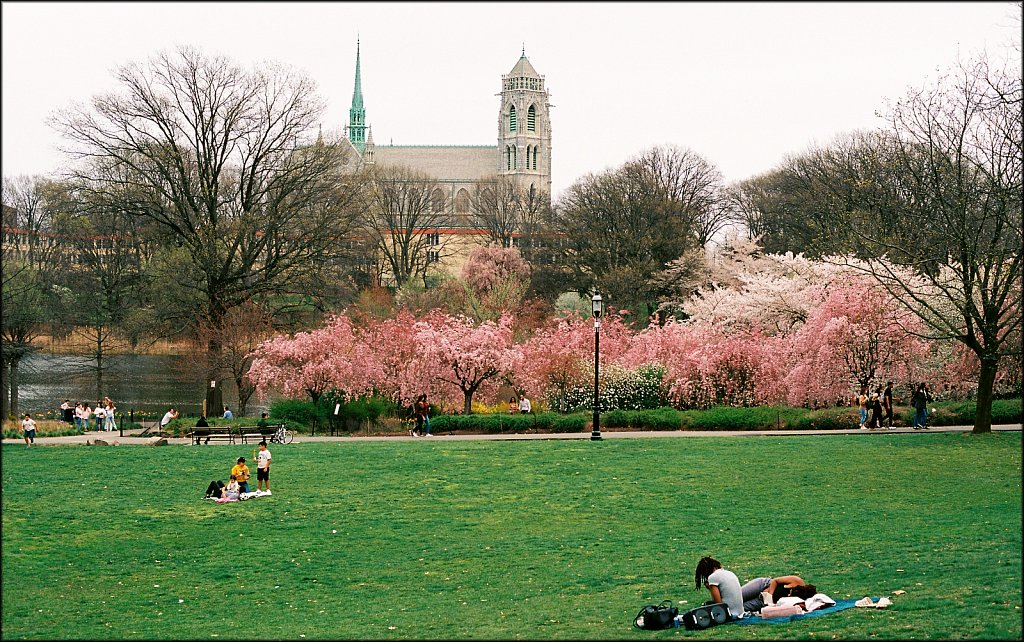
x,y
512,118
434,238
462,202
437,200
515,161
531,119
535,158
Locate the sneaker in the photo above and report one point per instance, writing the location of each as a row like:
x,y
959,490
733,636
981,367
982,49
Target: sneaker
x,y
268,492
882,603
430,434
866,602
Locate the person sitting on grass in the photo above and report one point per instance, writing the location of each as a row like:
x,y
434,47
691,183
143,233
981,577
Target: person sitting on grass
x,y
240,472
722,583
231,492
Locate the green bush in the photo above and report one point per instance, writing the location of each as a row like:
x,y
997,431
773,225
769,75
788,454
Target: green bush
x,y
663,418
826,419
570,423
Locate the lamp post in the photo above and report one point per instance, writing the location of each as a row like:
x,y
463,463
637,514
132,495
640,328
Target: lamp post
x,y
598,307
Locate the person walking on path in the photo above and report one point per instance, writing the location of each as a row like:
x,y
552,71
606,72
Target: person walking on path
x,y
28,429
920,403
875,406
263,459
422,409
887,404
862,403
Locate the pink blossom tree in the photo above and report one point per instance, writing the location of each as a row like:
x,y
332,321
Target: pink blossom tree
x,y
458,356
857,336
311,362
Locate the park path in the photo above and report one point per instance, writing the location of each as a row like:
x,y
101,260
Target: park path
x,y
133,439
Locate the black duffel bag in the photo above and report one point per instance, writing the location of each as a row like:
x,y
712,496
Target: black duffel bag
x,y
655,617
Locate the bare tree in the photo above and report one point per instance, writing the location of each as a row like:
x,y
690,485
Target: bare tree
x,y
957,158
402,222
31,303
222,160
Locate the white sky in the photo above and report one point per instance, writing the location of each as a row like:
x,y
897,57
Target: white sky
x,y
742,84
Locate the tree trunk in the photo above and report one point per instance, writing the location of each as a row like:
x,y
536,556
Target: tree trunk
x,y
986,382
14,385
5,398
467,406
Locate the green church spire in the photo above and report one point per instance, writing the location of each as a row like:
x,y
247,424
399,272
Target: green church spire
x,y
357,115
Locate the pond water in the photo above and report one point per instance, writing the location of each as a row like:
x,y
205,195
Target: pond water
x,y
145,383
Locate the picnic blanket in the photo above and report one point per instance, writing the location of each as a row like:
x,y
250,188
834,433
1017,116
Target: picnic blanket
x,y
840,605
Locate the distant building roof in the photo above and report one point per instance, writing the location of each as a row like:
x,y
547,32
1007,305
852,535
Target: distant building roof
x,y
443,162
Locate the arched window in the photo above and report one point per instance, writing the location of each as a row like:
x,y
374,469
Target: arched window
x,y
535,157
437,200
487,198
462,202
528,152
515,161
508,157
512,118
531,119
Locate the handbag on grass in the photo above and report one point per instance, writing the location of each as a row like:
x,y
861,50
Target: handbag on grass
x,y
655,617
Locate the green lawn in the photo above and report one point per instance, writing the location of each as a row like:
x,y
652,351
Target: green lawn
x,y
440,539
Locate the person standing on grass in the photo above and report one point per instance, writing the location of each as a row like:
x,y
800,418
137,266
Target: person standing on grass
x,y
887,404
28,429
263,467
524,404
240,472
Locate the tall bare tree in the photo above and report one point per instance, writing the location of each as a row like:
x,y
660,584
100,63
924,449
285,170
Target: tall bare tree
x,y
957,159
402,222
27,288
223,161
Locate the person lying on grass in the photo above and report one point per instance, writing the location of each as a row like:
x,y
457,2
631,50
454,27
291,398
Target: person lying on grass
x,y
725,587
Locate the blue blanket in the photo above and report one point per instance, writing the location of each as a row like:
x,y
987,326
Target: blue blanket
x,y
840,605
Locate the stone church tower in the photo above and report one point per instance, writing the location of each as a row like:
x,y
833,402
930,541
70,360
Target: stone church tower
x,y
524,127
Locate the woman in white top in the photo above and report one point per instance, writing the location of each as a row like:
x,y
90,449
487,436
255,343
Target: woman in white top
x,y
110,425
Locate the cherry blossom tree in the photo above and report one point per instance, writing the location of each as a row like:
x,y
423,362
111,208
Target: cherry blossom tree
x,y
461,356
328,358
858,336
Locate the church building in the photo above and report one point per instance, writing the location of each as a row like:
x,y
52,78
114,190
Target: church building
x,y
522,153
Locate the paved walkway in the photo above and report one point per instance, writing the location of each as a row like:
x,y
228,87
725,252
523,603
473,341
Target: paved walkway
x,y
133,439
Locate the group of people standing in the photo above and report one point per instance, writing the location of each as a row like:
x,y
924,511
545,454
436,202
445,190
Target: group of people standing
x,y
876,408
82,415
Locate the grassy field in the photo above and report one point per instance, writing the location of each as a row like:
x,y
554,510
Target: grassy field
x,y
437,539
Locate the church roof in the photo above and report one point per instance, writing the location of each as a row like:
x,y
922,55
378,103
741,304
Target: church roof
x,y
456,162
524,68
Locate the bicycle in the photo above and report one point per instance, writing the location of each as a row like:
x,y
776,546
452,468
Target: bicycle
x,y
282,436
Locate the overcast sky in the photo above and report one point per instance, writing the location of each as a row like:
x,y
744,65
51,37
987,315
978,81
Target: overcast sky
x,y
742,84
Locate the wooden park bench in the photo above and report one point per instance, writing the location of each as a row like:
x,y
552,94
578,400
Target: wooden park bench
x,y
259,433
226,433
